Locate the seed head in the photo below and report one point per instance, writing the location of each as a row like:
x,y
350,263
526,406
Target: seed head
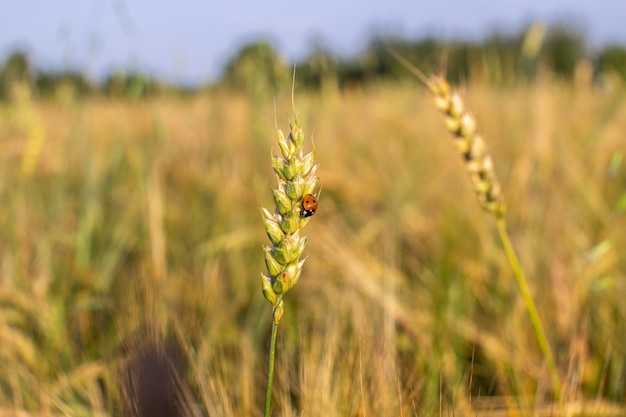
x,y
469,144
296,176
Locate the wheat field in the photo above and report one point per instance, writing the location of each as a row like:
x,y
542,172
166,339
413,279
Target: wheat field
x,y
130,254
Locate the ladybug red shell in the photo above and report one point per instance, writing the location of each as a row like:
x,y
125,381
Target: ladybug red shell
x,y
309,206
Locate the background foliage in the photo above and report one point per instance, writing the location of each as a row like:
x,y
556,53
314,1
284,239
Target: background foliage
x,y
258,69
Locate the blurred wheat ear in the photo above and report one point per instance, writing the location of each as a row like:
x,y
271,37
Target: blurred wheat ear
x,y
470,146
479,164
28,120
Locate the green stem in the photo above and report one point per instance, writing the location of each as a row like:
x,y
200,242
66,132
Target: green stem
x,y
270,372
530,305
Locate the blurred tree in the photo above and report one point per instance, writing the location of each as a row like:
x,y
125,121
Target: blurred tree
x,y
499,61
132,85
319,71
459,58
257,70
563,49
612,59
425,54
48,84
17,68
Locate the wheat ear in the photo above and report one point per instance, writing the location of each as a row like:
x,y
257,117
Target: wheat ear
x,y
296,178
479,166
470,146
462,125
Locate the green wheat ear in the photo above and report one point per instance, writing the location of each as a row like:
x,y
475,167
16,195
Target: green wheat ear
x,y
296,175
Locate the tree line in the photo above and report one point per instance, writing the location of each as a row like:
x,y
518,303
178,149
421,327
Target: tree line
x,y
257,68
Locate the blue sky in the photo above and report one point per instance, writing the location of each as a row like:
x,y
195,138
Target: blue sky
x,y
190,40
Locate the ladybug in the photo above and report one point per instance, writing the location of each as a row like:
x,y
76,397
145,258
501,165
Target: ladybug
x,y
309,206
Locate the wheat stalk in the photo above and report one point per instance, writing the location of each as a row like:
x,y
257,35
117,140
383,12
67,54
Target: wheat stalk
x,y
479,164
296,180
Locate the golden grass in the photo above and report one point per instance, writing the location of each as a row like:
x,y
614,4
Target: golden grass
x,y
145,215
